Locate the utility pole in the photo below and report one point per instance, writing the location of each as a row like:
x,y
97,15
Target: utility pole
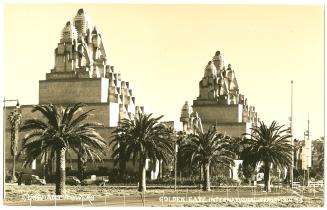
x,y
292,143
309,151
176,150
306,158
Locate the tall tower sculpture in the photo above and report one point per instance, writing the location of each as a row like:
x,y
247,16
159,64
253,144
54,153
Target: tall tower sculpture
x,y
218,83
82,73
80,52
219,102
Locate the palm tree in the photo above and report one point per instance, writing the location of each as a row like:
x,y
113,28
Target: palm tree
x,y
84,153
14,120
59,131
182,164
206,149
144,138
270,145
237,145
119,152
176,138
318,154
249,164
320,151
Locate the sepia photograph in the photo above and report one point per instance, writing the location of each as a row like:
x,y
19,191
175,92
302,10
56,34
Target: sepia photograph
x,y
163,104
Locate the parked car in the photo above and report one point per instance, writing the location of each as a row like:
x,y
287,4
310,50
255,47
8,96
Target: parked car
x,y
93,180
29,179
72,180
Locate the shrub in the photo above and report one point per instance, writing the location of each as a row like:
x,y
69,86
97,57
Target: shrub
x,y
223,181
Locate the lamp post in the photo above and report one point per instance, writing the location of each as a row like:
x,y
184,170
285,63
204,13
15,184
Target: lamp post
x,y
176,150
14,119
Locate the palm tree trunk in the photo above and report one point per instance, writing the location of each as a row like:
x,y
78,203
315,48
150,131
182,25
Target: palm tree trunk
x,y
122,168
60,171
14,135
46,172
50,170
160,169
142,175
83,170
267,176
201,174
206,184
80,167
13,178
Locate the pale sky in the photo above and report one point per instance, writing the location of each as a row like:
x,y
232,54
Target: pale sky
x,y
162,51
